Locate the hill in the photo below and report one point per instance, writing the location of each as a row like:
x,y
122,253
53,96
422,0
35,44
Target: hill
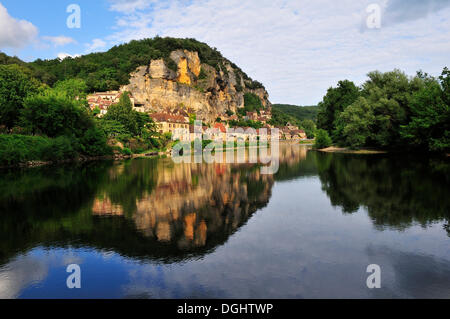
x,y
298,112
167,75
109,70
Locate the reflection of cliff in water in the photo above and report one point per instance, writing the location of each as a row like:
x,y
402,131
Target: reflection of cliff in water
x,y
192,206
142,208
396,191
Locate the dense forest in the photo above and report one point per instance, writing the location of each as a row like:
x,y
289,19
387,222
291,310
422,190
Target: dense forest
x,y
109,70
299,112
389,111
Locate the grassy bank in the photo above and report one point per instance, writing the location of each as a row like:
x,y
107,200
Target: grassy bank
x,y
16,150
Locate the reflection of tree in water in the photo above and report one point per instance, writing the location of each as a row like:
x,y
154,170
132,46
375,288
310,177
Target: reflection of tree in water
x,y
39,201
295,162
397,191
140,208
147,209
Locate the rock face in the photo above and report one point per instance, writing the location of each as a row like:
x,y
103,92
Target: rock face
x,y
196,87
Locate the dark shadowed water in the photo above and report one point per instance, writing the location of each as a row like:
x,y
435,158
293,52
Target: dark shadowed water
x,y
150,228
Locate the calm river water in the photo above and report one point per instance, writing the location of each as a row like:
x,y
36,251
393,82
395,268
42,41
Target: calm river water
x,y
149,228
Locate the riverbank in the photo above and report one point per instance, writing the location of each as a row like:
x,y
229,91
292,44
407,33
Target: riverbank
x,y
33,151
37,163
333,149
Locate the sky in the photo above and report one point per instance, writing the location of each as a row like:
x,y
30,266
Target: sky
x,y
297,49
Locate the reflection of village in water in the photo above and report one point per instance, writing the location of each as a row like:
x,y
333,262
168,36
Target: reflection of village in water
x,y
204,224
190,202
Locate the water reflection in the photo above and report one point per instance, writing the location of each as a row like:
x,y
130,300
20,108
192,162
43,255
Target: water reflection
x,y
157,212
152,209
396,191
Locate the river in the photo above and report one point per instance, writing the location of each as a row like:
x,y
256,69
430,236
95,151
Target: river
x,y
150,228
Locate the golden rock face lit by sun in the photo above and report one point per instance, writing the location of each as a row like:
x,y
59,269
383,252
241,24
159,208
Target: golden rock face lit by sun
x,y
183,82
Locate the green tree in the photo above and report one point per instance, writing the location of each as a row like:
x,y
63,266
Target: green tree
x,y
53,113
134,122
73,88
310,127
355,123
113,129
298,112
323,140
252,102
15,85
334,102
388,95
123,113
429,127
93,143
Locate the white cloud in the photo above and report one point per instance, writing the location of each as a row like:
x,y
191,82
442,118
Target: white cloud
x,y
296,48
128,6
63,55
59,40
15,33
96,45
20,273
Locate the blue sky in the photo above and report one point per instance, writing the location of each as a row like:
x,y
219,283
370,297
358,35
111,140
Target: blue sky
x,y
50,17
297,48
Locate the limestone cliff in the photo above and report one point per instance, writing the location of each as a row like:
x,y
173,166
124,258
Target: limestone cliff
x,y
195,87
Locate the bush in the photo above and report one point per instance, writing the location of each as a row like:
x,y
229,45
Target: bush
x,y
155,143
17,149
323,140
93,143
59,149
55,114
202,74
252,102
127,151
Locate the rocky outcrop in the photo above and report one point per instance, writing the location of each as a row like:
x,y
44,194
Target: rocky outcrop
x,y
195,87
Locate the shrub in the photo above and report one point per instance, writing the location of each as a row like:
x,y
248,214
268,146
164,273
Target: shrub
x,y
16,149
202,74
93,143
323,140
252,102
58,149
127,151
55,114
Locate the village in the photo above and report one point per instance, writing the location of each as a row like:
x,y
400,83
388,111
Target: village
x,y
182,127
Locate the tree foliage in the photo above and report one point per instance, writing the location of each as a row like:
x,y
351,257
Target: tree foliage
x,y
53,113
73,88
323,140
298,112
355,123
134,122
109,70
309,127
429,127
16,84
252,103
334,102
390,110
